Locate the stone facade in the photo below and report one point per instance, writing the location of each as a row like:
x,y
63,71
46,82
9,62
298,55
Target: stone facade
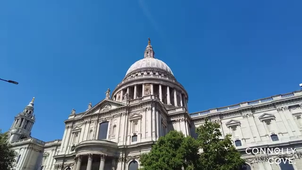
x,y
147,104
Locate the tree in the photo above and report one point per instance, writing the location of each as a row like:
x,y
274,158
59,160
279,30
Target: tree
x,y
7,155
172,152
217,153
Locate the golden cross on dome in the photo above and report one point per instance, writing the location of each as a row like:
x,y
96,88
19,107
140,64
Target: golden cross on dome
x,y
32,101
149,41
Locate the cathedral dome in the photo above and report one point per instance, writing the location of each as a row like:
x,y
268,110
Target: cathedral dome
x,y
151,77
149,63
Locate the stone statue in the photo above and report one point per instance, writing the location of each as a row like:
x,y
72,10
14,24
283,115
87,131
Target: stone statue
x,y
90,105
147,90
73,112
108,93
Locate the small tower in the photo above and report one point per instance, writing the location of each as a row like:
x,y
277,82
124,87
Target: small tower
x,y
24,121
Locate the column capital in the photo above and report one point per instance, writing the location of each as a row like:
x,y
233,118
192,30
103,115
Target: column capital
x,y
102,156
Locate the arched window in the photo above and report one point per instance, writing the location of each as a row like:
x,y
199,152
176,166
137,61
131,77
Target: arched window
x,y
133,165
238,143
245,167
284,165
274,137
103,129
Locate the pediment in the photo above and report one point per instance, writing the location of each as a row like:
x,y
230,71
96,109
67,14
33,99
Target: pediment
x,y
266,116
104,106
76,129
45,154
135,116
233,123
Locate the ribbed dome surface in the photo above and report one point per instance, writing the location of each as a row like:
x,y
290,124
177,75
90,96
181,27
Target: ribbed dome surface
x,y
149,63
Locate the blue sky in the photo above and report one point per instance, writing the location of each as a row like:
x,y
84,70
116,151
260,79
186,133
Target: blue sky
x,y
67,53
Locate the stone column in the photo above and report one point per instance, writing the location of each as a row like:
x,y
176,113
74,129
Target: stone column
x,y
152,90
102,162
168,95
180,97
135,92
122,95
79,160
113,164
89,163
175,97
160,93
143,90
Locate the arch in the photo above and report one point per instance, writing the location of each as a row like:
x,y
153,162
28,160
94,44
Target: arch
x,y
245,167
133,165
67,167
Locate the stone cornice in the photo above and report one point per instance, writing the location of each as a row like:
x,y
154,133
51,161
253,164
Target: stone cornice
x,y
243,107
104,143
116,111
33,141
152,69
140,144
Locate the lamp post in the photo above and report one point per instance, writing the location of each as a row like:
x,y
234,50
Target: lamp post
x,y
9,81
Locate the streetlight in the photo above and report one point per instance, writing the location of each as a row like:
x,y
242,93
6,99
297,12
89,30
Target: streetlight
x,y
9,81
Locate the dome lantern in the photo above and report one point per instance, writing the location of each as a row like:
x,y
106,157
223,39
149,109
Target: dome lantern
x,y
149,53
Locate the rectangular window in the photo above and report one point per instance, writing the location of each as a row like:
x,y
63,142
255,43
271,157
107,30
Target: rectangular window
x,y
134,138
103,130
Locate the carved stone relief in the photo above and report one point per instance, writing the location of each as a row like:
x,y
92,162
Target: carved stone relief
x,y
147,89
129,158
106,107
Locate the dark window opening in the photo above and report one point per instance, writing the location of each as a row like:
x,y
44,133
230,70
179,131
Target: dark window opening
x,y
245,167
103,129
238,143
156,90
285,165
172,97
274,137
21,122
134,138
164,94
178,100
23,137
131,92
139,89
